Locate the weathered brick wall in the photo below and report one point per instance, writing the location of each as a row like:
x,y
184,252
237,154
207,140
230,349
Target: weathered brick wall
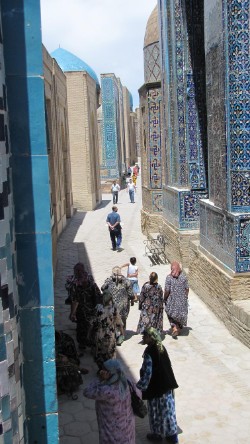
x,y
221,289
86,188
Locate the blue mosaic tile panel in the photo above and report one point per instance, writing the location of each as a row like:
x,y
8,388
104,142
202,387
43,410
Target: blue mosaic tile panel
x,y
236,23
243,244
190,208
110,128
155,156
180,90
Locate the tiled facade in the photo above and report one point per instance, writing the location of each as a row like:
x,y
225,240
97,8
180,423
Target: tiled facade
x,y
226,235
111,168
28,400
152,168
205,155
183,85
129,129
11,394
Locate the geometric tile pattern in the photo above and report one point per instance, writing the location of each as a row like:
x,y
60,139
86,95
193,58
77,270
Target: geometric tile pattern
x,y
110,122
152,69
154,110
184,97
243,244
237,22
11,414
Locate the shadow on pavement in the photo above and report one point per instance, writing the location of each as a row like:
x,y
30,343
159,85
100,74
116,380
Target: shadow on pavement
x,y
103,204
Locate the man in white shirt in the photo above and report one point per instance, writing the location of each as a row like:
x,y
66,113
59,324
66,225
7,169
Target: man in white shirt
x,y
131,188
115,190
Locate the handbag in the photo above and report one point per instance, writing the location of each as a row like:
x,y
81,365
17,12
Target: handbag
x,y
138,406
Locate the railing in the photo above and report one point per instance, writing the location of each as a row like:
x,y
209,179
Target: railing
x,y
155,250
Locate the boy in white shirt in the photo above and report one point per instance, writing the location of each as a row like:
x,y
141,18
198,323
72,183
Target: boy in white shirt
x,y
132,275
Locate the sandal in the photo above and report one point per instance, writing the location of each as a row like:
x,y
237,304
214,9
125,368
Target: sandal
x,y
175,332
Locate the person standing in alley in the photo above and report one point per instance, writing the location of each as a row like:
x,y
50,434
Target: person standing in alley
x,y
122,294
115,190
111,392
157,383
115,230
131,189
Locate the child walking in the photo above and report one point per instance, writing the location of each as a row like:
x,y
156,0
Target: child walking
x,y
132,275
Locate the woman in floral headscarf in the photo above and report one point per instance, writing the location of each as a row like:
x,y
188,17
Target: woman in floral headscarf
x,y
107,323
122,293
157,382
176,298
114,413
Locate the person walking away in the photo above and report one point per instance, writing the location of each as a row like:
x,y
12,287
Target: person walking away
x,y
115,190
157,382
115,418
176,299
151,305
122,294
85,297
131,189
115,230
107,322
132,275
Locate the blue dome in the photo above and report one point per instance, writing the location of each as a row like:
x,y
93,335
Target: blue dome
x,y
69,62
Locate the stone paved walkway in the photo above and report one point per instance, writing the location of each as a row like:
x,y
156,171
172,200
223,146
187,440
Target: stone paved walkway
x,y
212,367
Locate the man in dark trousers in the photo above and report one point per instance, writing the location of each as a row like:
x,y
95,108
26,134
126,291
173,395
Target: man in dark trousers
x,y
115,230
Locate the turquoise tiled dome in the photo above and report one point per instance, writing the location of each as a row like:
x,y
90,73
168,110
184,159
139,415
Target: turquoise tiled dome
x,y
69,62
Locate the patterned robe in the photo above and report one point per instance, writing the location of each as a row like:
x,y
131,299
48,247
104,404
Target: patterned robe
x,y
115,417
177,302
151,306
161,411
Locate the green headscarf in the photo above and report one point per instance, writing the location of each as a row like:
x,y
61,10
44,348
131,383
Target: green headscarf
x,y
155,336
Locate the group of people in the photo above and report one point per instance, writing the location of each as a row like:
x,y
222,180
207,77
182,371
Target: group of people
x,y
101,315
111,392
130,185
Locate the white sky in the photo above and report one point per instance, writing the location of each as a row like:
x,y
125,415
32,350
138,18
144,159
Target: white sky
x,y
107,34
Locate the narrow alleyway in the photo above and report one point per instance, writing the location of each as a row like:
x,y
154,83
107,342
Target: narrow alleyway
x,y
211,367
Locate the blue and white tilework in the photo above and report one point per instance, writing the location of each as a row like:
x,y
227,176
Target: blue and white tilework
x,y
236,23
111,166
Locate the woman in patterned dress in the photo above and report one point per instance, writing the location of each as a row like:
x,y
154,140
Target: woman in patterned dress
x,y
114,413
176,298
157,382
121,291
85,295
107,322
151,305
